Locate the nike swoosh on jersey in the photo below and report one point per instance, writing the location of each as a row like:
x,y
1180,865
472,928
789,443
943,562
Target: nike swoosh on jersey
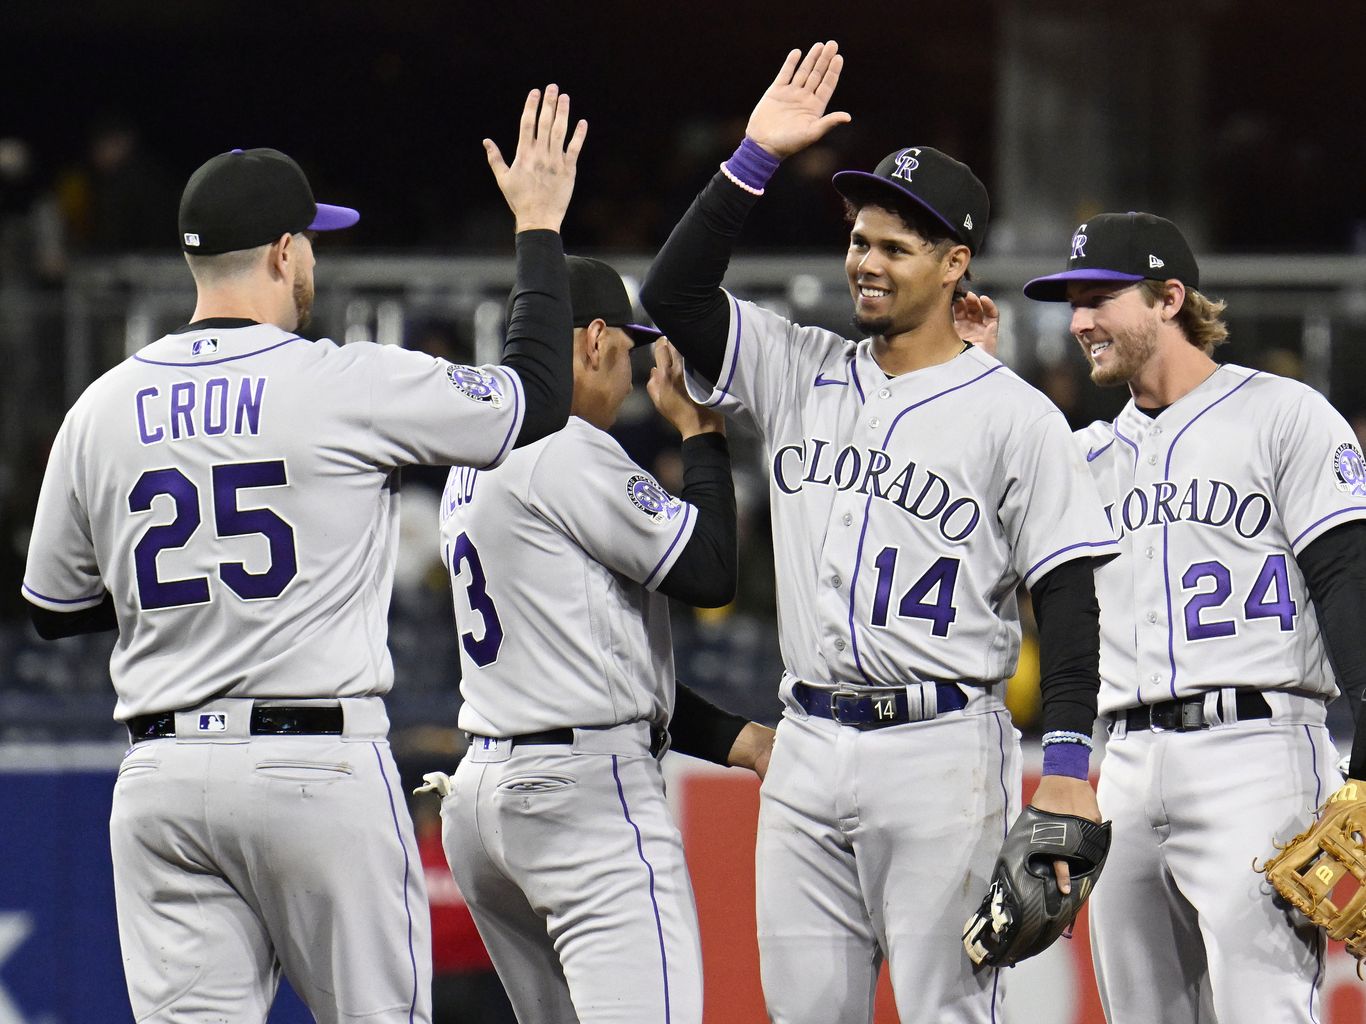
x,y
822,381
1095,453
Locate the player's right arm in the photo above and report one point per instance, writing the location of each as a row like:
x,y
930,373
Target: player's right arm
x,y
538,185
682,290
701,729
706,572
62,581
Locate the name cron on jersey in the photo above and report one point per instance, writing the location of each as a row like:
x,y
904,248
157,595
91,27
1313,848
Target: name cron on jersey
x,y
1207,502
919,492
187,408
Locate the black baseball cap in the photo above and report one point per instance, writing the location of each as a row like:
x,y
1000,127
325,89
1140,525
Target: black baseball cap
x,y
596,292
1121,247
946,188
251,197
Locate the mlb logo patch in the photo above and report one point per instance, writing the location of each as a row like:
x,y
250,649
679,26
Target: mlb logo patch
x,y
204,347
213,723
191,238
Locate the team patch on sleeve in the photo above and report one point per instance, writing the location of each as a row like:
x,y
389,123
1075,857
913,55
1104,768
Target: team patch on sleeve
x,y
1350,468
650,498
475,384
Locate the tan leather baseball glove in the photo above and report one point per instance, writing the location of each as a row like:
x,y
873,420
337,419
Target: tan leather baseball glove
x,y
1310,871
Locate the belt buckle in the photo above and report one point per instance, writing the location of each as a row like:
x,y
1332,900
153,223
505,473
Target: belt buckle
x,y
1162,719
836,696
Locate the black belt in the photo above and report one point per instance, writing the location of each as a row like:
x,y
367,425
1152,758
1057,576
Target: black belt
x,y
563,737
1188,714
266,720
863,710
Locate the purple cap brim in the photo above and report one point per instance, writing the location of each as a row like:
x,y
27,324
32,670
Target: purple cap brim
x,y
1053,288
856,185
330,218
643,335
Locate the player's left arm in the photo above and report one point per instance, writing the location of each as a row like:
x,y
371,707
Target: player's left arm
x,y
701,729
1068,615
1053,514
1334,567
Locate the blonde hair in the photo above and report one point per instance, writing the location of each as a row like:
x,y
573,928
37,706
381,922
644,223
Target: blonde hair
x,y
1198,317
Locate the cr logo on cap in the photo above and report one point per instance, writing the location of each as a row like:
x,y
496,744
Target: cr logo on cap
x,y
1079,243
906,162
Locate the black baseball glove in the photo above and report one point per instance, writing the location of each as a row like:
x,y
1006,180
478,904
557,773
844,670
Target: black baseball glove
x,y
1024,910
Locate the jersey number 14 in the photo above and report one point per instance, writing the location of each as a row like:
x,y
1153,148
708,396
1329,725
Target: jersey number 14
x,y
939,580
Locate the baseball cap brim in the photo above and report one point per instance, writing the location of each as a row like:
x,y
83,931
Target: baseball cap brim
x,y
1053,288
860,186
643,335
332,218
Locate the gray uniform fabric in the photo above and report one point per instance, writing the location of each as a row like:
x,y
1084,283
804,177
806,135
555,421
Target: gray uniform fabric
x,y
234,489
1211,501
906,510
566,853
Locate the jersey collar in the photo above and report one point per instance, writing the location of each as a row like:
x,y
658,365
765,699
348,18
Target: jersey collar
x,y
215,322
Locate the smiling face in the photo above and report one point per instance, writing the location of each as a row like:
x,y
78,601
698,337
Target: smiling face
x,y
1116,328
897,278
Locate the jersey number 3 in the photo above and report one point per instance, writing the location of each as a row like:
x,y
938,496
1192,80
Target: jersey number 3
x,y
229,521
482,652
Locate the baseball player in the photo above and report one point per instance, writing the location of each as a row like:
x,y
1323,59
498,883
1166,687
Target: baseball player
x,y
1237,498
914,482
555,824
227,498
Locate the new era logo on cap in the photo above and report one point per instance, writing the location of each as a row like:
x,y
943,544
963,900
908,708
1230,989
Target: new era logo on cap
x,y
1154,262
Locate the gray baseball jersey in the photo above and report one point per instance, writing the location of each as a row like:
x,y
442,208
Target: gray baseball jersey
x,y
233,489
1212,501
554,561
921,501
566,852
906,511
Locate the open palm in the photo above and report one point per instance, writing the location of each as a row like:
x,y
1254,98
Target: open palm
x,y
791,113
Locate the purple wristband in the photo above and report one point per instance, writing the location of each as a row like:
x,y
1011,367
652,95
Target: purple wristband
x,y
752,164
1071,759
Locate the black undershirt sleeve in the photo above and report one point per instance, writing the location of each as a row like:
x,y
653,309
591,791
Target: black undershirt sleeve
x,y
540,334
1334,567
1068,614
682,290
701,729
56,625
705,573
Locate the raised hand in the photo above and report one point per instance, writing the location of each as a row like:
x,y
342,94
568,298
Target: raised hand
x,y
791,114
670,395
977,321
540,181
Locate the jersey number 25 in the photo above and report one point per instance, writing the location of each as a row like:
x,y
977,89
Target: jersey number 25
x,y
229,521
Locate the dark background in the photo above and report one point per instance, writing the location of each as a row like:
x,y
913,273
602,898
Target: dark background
x,y
385,103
